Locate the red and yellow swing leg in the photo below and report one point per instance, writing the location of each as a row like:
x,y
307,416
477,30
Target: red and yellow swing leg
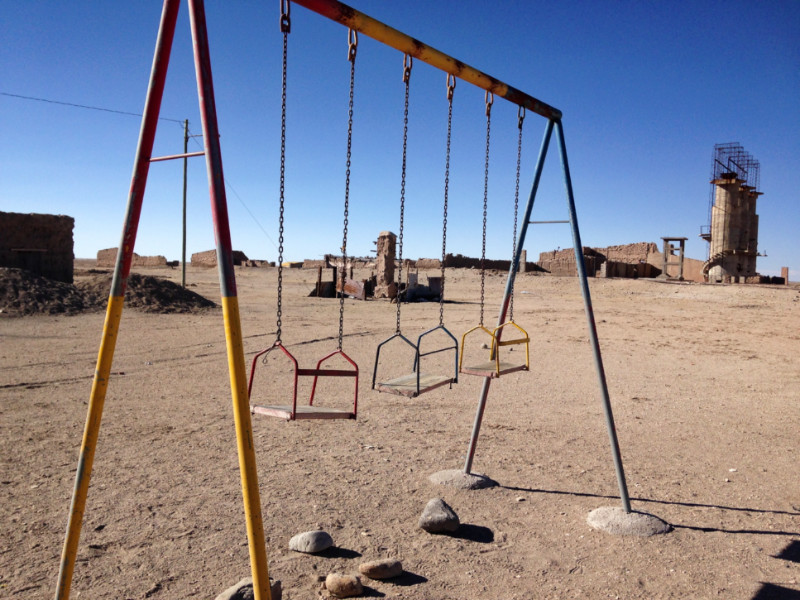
x,y
230,306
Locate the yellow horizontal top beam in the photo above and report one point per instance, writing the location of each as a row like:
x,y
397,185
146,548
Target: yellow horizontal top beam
x,y
358,21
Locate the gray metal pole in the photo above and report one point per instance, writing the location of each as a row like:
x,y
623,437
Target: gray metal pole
x,y
587,302
185,161
512,273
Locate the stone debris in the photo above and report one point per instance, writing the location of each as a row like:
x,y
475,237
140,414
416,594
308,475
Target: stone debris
x,y
438,517
311,542
381,569
343,586
244,590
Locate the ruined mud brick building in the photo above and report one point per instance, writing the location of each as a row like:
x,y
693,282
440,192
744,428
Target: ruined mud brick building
x,y
208,258
41,244
641,259
108,258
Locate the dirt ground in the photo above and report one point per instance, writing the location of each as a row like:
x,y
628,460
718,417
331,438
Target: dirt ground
x,y
704,382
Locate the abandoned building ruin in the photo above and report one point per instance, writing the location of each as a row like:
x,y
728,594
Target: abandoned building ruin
x,y
41,244
107,258
732,232
385,287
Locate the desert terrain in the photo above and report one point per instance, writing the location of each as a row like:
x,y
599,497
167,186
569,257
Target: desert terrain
x,y
704,382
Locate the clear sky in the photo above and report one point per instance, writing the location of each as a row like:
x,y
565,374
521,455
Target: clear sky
x,y
646,89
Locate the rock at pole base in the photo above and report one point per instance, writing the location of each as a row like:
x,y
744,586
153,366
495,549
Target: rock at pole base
x,y
463,481
614,520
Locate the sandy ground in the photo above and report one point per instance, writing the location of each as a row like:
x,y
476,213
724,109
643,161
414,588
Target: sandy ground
x,y
704,383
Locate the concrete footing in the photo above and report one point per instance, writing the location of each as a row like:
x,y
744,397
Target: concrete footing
x,y
463,481
614,519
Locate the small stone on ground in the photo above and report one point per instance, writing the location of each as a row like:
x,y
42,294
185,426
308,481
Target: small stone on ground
x,y
343,586
311,542
438,517
244,590
463,481
381,569
614,519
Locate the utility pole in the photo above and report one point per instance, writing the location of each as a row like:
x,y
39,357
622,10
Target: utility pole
x,y
185,163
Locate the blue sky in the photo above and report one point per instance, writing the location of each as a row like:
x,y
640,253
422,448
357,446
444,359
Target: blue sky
x,y
646,89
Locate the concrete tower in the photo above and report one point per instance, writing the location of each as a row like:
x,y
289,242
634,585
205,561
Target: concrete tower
x,y
733,223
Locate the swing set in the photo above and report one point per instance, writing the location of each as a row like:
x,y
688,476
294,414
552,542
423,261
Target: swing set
x,y
356,22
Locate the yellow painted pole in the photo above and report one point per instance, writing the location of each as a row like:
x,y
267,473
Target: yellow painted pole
x,y
155,91
90,434
246,449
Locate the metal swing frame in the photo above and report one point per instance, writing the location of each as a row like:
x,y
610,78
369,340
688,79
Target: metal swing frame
x,y
357,21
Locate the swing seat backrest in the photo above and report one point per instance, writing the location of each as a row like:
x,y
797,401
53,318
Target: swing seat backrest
x,y
464,342
436,350
320,372
263,356
399,337
498,342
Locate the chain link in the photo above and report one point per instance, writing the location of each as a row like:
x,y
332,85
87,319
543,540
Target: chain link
x,y
285,28
286,24
352,39
521,118
451,86
407,63
489,101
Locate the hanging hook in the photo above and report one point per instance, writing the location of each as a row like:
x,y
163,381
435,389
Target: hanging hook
x,y
451,85
489,97
352,44
520,116
286,24
407,63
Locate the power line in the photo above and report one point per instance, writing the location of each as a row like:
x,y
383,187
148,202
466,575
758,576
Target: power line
x,y
239,198
132,114
110,110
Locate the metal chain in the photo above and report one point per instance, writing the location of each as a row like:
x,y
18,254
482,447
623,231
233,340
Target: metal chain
x,y
407,63
451,86
352,44
489,101
520,119
285,29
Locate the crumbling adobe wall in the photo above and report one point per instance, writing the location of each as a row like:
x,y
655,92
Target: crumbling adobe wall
x,y
641,259
108,258
208,258
41,244
630,253
457,261
429,263
315,264
562,262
